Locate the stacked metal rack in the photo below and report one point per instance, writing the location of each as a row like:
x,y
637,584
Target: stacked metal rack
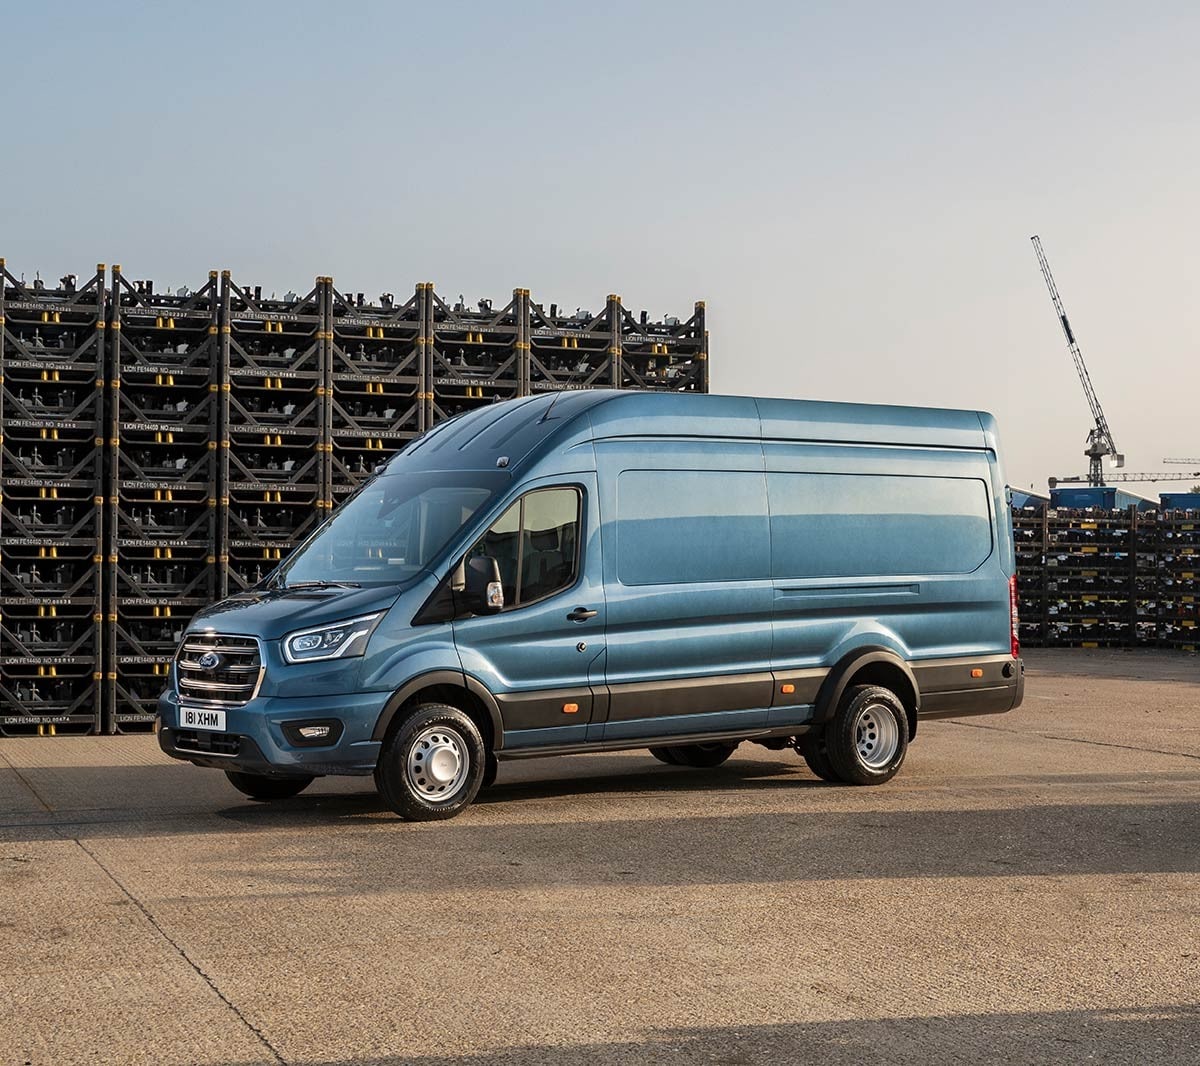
x,y
1178,556
274,468
1091,562
578,351
668,355
476,357
378,394
165,381
52,354
1030,534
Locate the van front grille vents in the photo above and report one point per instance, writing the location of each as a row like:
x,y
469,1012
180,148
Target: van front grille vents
x,y
218,669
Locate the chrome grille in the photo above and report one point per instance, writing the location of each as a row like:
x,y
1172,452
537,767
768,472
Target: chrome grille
x,y
232,682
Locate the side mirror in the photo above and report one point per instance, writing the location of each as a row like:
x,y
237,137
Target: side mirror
x,y
484,592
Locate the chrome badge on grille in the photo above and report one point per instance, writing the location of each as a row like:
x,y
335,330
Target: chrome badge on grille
x,y
210,660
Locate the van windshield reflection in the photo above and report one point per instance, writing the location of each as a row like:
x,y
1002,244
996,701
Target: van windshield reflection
x,y
391,529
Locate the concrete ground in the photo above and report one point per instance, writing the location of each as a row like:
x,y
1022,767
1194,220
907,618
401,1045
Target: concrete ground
x,y
1026,891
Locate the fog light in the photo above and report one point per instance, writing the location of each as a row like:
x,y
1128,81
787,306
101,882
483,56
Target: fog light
x,y
313,732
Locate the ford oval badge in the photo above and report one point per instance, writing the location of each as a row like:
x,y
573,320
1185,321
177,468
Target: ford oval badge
x,y
210,660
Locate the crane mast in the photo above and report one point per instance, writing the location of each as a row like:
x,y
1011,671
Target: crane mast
x,y
1100,440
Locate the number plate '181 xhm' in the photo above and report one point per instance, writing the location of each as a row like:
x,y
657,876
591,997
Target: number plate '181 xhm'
x,y
199,718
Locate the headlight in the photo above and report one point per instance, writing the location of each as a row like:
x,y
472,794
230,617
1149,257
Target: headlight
x,y
341,640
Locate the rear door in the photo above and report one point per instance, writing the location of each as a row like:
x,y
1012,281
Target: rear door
x,y
538,654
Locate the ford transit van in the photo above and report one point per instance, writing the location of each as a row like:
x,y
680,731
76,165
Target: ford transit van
x,y
595,571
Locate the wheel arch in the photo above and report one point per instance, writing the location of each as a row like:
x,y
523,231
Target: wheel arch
x,y
446,686
870,666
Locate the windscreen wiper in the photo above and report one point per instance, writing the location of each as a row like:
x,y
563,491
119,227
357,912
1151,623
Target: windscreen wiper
x,y
322,585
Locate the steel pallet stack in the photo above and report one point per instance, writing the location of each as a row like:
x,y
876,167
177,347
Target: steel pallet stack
x,y
378,398
666,356
579,351
274,471
51,522
164,371
475,357
1179,579
1091,560
1029,537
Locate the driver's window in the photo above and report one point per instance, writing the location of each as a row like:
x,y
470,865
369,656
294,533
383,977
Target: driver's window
x,y
535,544
502,542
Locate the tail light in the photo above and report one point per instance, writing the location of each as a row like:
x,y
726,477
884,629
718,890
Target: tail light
x,y
1014,615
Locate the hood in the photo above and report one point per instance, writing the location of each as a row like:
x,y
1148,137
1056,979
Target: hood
x,y
270,614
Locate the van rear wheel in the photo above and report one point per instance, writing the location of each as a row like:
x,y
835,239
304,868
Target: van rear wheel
x,y
812,748
868,737
261,787
664,755
701,756
433,765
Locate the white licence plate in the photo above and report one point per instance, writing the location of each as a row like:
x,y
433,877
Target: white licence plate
x,y
198,718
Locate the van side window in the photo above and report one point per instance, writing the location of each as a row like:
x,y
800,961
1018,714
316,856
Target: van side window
x,y
535,543
877,525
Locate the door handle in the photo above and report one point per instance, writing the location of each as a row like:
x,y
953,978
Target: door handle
x,y
580,614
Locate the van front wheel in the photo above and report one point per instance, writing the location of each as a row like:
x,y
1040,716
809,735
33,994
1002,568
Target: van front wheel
x,y
868,737
432,766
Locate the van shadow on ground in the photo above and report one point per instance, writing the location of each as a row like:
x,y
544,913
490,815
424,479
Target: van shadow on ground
x,y
1166,1036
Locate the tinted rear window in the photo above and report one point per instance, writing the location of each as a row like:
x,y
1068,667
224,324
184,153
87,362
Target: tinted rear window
x,y
873,525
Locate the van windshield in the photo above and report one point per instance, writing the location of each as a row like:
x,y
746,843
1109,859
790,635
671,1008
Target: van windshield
x,y
392,528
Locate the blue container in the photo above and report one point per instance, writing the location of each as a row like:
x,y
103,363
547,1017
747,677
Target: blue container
x,y
1103,497
1180,501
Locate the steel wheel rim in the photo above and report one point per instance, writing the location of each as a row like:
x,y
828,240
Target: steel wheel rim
x,y
876,736
437,764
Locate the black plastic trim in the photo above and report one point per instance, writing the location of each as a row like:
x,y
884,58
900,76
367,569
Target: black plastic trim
x,y
842,673
453,678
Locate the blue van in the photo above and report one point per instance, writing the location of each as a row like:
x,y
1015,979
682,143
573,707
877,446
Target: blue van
x,y
595,571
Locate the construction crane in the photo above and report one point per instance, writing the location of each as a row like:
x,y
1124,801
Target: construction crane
x,y
1100,440
1055,481
1183,462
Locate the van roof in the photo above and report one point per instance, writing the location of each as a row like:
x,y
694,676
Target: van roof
x,y
516,428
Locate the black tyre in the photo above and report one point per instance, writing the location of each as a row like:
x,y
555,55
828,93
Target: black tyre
x,y
664,755
867,738
261,787
702,756
490,770
433,765
812,748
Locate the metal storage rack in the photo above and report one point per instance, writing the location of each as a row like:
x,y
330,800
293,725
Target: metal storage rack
x,y
51,540
378,394
574,351
164,386
1030,534
670,355
1091,568
1178,544
475,357
274,468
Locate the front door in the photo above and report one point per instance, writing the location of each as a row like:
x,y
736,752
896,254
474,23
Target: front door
x,y
542,653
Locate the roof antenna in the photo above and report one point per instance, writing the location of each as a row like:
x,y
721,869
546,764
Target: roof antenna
x,y
551,407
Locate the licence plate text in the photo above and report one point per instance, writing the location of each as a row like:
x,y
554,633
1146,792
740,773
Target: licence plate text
x,y
198,718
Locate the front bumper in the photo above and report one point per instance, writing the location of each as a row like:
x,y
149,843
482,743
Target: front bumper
x,y
254,738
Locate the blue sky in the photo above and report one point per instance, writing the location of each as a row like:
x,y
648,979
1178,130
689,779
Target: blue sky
x,y
851,187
